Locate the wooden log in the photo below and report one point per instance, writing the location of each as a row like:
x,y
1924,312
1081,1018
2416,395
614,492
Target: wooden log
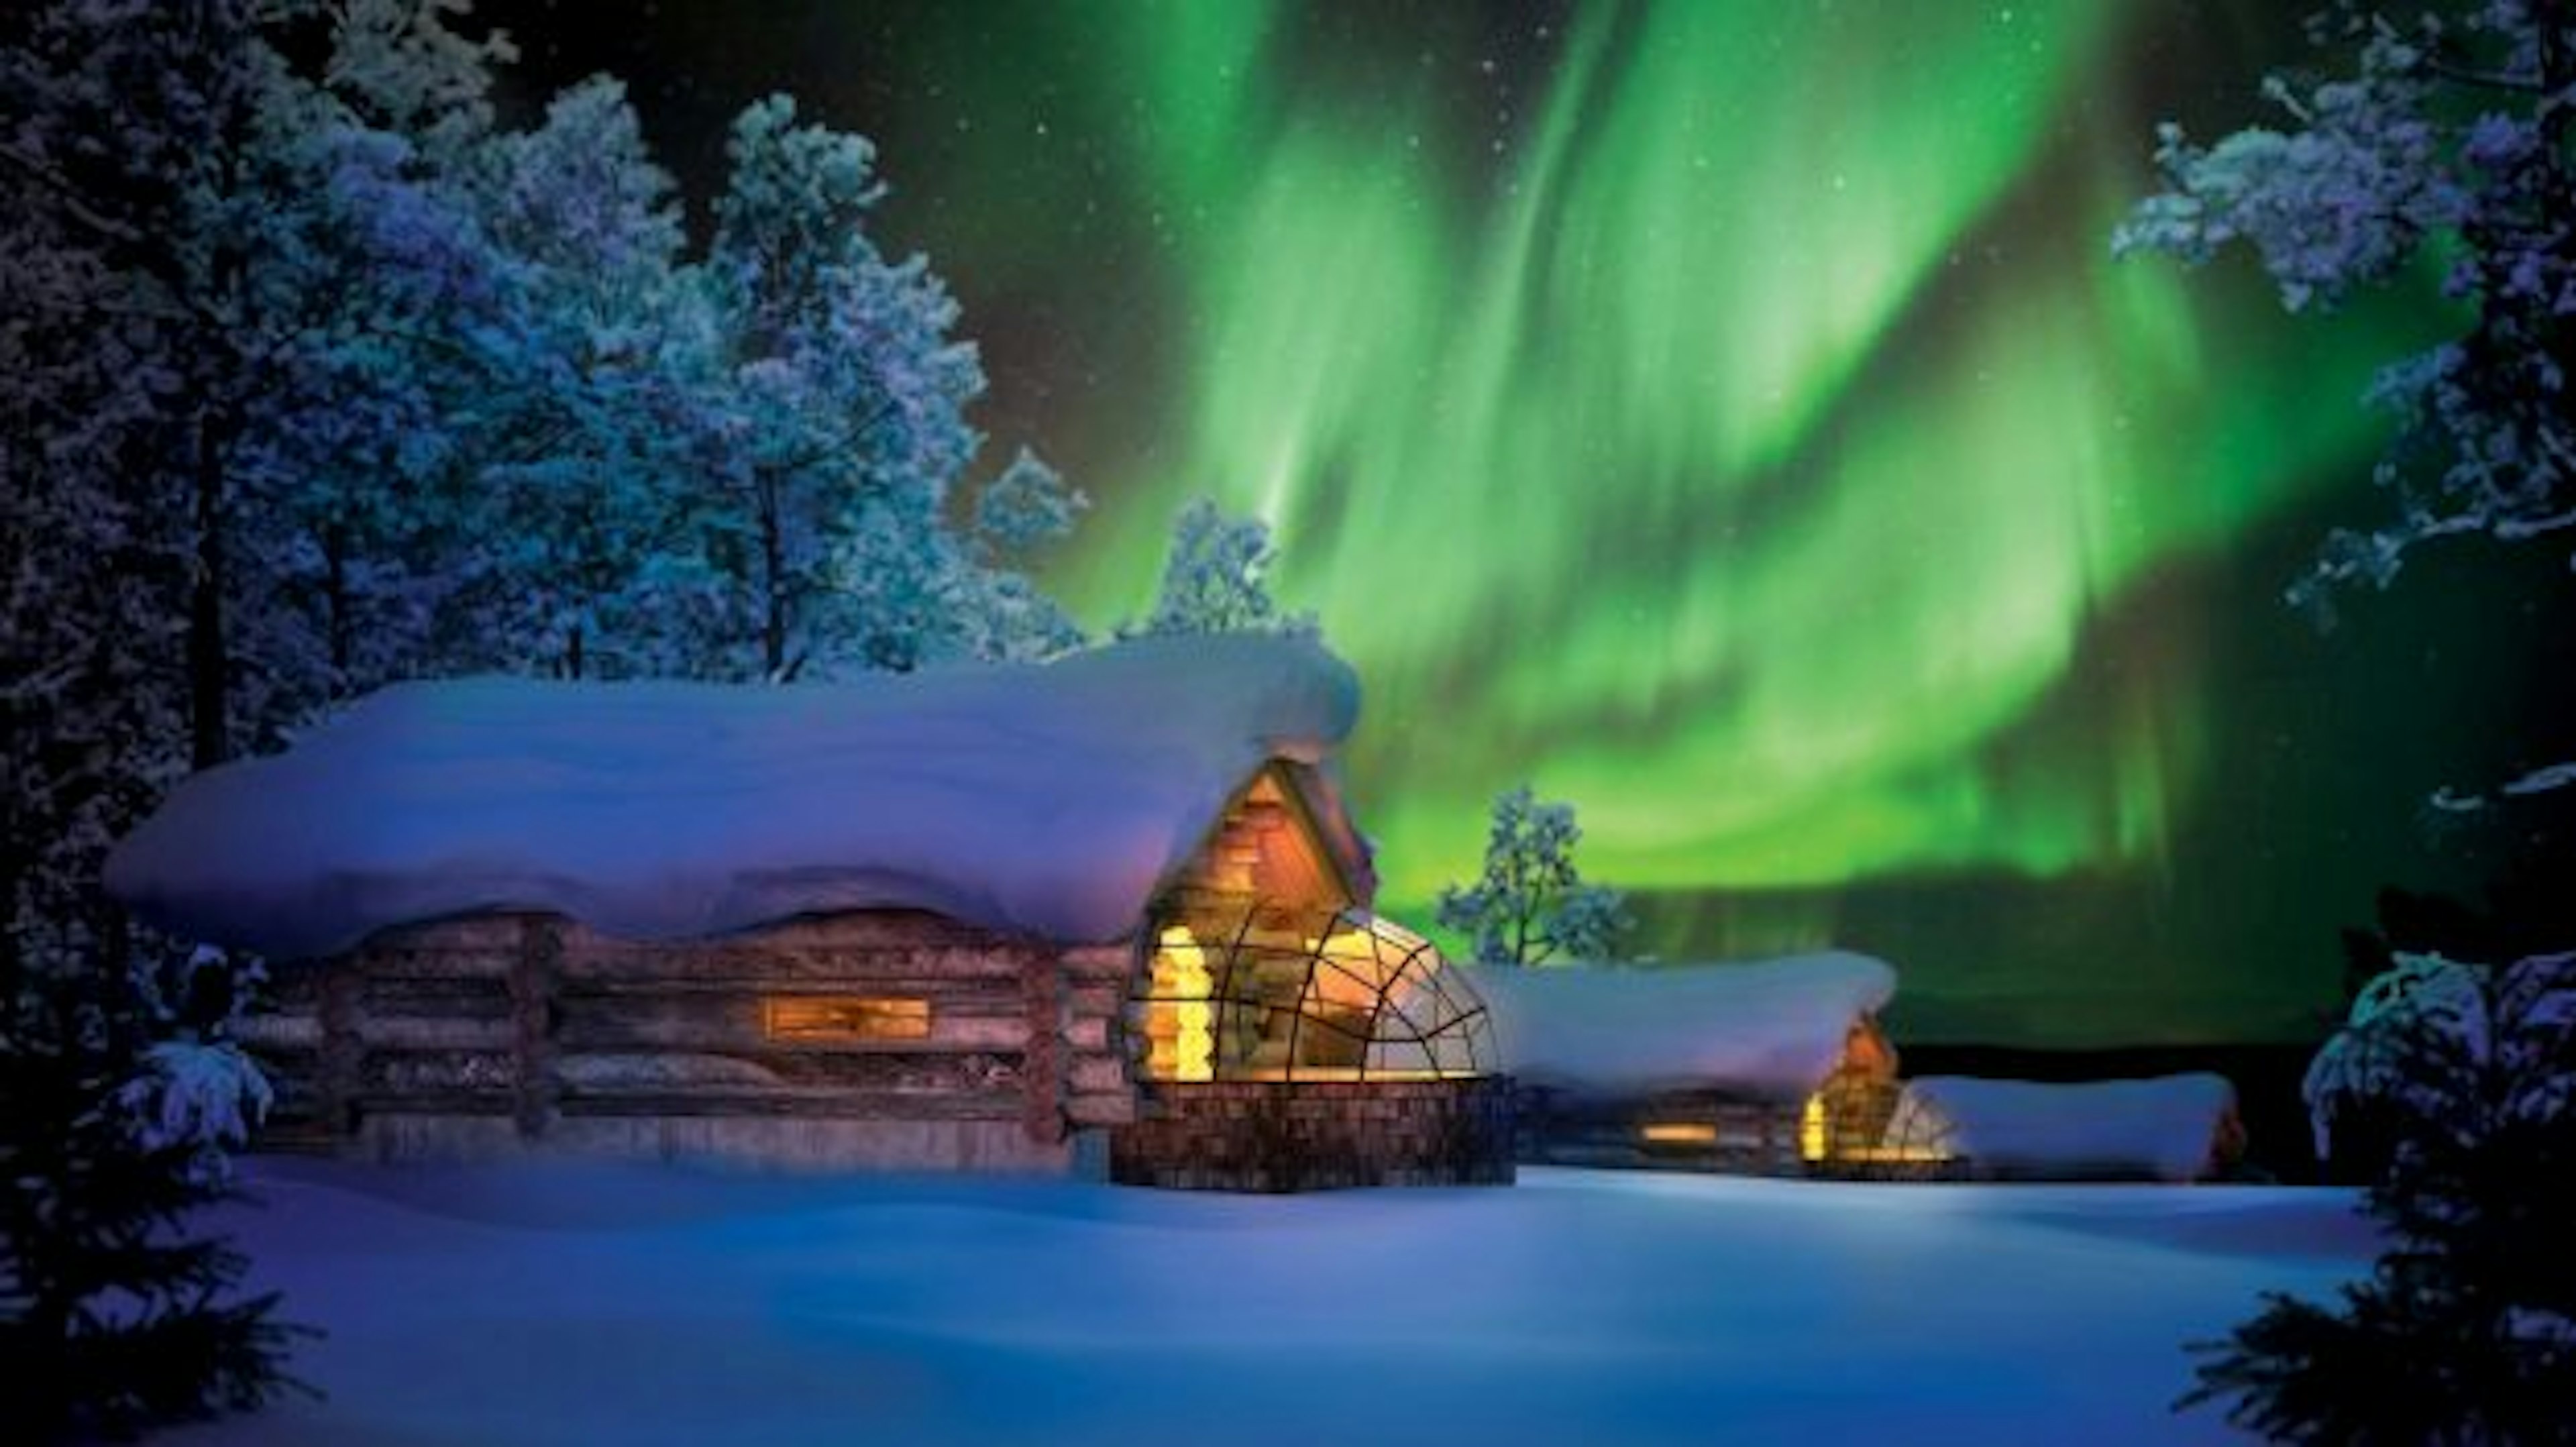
x,y
1042,1074
458,968
1092,1073
272,1033
1101,1109
1004,1105
633,1021
457,996
1098,1001
413,1072
532,1010
343,1049
1111,964
411,1032
494,1103
969,1072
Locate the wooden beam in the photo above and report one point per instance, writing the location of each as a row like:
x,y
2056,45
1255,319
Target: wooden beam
x,y
532,985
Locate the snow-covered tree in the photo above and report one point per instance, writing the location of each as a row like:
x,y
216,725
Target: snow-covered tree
x,y
2442,138
2465,1331
588,455
1216,579
2449,138
1530,904
836,405
997,612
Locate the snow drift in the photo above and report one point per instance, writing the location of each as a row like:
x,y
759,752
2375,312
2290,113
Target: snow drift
x,y
2166,1128
1049,798
548,1303
1773,1029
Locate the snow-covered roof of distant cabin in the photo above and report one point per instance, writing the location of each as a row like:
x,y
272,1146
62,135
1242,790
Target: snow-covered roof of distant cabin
x,y
1772,1029
2163,1127
1052,799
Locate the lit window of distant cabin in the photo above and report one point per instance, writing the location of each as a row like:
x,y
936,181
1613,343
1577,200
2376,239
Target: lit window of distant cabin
x,y
826,1018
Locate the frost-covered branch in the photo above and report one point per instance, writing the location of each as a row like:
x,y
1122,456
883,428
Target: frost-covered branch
x,y
2447,139
1216,579
2538,781
68,197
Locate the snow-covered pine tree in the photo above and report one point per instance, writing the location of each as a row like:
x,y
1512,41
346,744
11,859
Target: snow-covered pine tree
x,y
2465,1330
132,138
116,1312
401,324
994,610
1216,579
1530,904
837,410
591,449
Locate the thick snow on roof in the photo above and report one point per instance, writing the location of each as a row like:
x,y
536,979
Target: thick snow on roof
x,y
1049,798
2162,1127
1772,1029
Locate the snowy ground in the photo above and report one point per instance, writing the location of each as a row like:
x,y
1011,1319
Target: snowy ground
x,y
563,1304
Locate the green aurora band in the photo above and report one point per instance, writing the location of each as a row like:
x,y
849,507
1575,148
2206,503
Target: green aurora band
x,y
1744,456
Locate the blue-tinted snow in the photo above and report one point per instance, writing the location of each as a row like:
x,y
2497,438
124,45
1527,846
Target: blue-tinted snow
x,y
1046,798
564,1303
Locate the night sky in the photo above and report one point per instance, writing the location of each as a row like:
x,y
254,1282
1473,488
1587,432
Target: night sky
x,y
1727,417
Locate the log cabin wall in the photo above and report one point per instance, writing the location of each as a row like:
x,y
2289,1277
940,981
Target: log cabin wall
x,y
1684,1130
1719,1128
885,1039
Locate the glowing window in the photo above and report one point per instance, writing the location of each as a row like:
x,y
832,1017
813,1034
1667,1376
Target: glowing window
x,y
1344,996
844,1017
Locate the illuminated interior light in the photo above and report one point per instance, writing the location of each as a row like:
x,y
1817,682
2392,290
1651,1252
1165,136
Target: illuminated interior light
x,y
844,1017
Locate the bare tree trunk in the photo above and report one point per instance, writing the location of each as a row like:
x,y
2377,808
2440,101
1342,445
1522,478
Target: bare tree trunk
x,y
343,629
773,564
209,717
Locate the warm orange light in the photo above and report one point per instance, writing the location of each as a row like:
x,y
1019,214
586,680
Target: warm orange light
x,y
1180,1025
1811,1130
844,1017
1893,1155
1679,1133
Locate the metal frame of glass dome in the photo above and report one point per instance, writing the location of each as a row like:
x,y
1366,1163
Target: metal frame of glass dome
x,y
1347,997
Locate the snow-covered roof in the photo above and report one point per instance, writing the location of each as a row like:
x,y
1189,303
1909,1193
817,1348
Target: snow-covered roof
x,y
1051,799
2164,1127
1774,1029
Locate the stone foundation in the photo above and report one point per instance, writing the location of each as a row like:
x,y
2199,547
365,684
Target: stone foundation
x,y
1318,1135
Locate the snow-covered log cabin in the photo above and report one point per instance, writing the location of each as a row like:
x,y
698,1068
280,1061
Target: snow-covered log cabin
x,y
1109,909
2174,1128
1771,1068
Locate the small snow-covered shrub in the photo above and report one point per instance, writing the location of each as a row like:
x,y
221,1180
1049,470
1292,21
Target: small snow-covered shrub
x,y
1530,904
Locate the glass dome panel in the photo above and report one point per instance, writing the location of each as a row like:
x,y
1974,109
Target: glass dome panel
x,y
1345,996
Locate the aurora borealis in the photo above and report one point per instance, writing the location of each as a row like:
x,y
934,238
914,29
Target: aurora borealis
x,y
1725,416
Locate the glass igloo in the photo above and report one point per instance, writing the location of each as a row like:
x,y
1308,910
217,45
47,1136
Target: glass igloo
x,y
1341,997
